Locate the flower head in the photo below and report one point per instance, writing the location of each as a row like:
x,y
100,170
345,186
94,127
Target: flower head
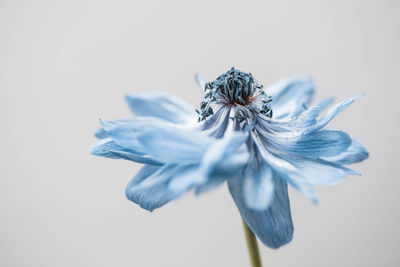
x,y
257,140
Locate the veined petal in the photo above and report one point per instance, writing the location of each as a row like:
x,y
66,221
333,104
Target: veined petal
x,y
332,113
161,105
317,173
258,187
355,153
285,169
148,198
163,141
272,226
289,127
323,143
219,153
108,148
149,188
290,96
230,168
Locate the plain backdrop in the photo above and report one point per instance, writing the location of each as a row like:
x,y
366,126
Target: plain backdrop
x,y
65,64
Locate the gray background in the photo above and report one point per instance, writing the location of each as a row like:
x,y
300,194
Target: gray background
x,y
64,64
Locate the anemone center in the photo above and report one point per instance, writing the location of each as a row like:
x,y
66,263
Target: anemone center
x,y
235,88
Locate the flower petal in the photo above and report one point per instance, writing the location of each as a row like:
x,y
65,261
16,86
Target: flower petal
x,y
290,96
149,187
161,105
285,169
323,143
213,159
332,113
108,148
148,198
273,226
200,80
163,141
355,153
258,187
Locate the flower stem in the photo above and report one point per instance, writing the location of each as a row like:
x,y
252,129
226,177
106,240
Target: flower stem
x,y
251,241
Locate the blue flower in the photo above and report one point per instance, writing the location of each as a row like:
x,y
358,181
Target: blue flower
x,y
257,140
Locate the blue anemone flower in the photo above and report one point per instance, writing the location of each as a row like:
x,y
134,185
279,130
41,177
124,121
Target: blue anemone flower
x,y
257,140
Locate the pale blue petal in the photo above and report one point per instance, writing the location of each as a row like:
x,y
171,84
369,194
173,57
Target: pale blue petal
x,y
163,141
290,96
230,168
161,105
200,80
213,159
108,148
215,121
323,143
355,153
258,187
285,169
273,226
101,133
290,126
318,172
325,103
332,113
149,187
148,198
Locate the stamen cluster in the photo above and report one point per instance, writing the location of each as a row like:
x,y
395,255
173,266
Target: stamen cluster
x,y
235,88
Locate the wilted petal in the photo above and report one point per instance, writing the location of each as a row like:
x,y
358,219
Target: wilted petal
x,y
212,162
258,187
273,226
324,103
323,143
161,105
355,153
318,172
230,168
149,187
332,113
200,80
148,198
290,96
163,141
108,148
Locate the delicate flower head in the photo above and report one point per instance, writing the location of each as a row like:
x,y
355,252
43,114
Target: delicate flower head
x,y
256,139
235,88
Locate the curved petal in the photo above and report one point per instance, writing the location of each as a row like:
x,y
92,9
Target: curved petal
x,y
323,143
332,113
290,96
274,226
149,188
355,153
161,105
258,187
200,80
108,148
293,125
149,198
163,141
101,133
219,153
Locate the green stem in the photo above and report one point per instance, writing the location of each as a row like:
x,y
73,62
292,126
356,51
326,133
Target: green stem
x,y
251,241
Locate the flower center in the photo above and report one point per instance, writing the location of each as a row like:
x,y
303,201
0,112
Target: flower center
x,y
235,88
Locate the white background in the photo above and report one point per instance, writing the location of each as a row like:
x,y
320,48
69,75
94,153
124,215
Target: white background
x,y
64,64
